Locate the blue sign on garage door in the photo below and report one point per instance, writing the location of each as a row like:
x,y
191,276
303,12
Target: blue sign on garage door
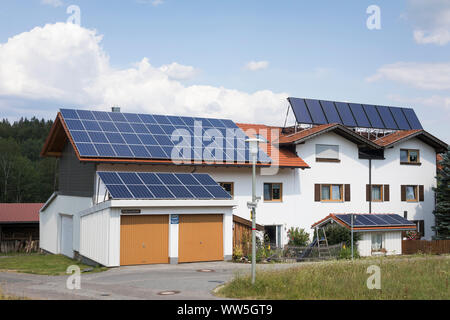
x,y
174,219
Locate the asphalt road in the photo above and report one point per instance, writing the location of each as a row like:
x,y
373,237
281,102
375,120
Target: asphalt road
x,y
132,282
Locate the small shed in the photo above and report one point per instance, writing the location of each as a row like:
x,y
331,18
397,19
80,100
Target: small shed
x,y
381,233
19,223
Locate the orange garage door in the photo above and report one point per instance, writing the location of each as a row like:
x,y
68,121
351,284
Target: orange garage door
x,y
200,237
144,239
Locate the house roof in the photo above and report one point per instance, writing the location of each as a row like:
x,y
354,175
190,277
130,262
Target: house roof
x,y
280,155
404,135
368,222
19,212
59,135
303,135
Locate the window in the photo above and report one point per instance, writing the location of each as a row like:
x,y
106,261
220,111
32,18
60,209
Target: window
x,y
411,193
273,192
377,241
327,153
228,186
377,193
331,192
409,156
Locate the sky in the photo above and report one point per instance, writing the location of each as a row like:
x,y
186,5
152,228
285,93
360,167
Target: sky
x,y
227,59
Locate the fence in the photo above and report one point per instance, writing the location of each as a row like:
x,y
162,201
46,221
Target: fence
x,y
425,246
296,254
13,246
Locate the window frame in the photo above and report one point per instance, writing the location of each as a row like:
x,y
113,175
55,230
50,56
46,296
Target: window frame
x,y
321,159
341,189
416,193
409,162
271,192
232,187
383,241
381,186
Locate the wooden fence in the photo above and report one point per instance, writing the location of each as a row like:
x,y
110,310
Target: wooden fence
x,y
12,246
425,246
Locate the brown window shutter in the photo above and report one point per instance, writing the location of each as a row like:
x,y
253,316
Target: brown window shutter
x,y
317,192
421,193
368,193
422,228
403,193
386,192
347,192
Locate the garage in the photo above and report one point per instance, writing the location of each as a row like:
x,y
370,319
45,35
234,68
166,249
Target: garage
x,y
200,237
67,235
144,239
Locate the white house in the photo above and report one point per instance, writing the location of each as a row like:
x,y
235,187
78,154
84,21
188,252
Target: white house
x,y
314,170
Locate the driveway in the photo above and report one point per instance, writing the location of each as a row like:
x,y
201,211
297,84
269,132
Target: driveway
x,y
133,282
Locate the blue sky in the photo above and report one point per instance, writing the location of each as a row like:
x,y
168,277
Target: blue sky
x,y
317,49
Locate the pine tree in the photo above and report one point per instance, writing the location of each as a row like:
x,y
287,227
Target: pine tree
x,y
442,211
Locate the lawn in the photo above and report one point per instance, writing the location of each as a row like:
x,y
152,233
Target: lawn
x,y
425,277
46,264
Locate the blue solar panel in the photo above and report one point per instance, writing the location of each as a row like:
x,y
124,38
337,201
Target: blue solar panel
x,y
316,112
131,135
162,185
300,110
386,115
400,118
374,220
346,115
331,112
412,118
373,116
359,115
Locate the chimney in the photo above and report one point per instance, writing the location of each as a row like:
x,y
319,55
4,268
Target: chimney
x,y
115,109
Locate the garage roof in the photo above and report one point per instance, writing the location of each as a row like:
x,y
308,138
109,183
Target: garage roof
x,y
161,185
19,212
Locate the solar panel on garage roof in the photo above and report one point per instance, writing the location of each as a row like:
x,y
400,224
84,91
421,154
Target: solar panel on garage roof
x,y
149,185
309,111
143,136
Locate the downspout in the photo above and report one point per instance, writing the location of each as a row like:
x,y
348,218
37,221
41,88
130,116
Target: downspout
x,y
370,185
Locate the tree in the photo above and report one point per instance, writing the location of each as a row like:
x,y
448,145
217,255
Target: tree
x,y
442,211
337,234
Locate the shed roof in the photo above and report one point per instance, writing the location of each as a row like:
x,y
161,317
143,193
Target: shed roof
x,y
19,212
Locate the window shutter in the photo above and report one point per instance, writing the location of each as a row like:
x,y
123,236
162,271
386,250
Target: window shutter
x,y
422,228
421,193
347,192
317,192
368,193
403,193
386,192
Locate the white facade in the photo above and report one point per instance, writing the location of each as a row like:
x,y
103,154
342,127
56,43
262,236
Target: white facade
x,y
392,243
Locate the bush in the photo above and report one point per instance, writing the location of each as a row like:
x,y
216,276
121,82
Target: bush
x,y
337,234
413,235
237,253
298,237
346,253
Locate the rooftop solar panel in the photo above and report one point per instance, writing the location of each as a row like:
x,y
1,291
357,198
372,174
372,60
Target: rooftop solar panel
x,y
412,118
300,110
143,136
373,116
387,118
331,112
359,115
161,185
346,114
374,220
316,112
400,118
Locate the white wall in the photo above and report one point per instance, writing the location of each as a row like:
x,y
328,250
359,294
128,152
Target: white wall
x,y
392,243
50,221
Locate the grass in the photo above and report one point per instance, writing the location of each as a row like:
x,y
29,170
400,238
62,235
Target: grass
x,y
418,277
44,264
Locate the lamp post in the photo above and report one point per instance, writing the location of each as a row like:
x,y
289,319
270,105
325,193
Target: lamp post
x,y
252,205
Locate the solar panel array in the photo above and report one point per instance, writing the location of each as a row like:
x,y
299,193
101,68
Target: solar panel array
x,y
146,136
149,185
374,220
318,112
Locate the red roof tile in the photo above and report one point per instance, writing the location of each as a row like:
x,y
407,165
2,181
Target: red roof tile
x,y
304,133
20,212
394,137
286,158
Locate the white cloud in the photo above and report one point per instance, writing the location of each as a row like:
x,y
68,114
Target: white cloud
x,y
54,3
178,72
430,20
66,64
152,2
427,76
434,101
256,65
